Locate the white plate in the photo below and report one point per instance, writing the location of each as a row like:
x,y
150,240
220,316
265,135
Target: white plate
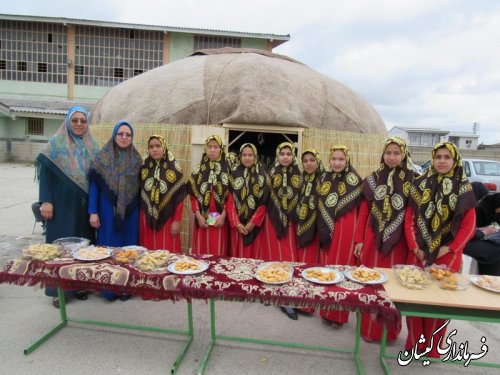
x,y
339,276
475,280
134,247
270,264
382,279
77,255
203,268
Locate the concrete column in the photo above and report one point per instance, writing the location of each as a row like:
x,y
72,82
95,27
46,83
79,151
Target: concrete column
x,y
166,48
71,61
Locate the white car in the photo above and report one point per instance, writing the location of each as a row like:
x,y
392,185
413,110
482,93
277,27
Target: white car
x,y
485,171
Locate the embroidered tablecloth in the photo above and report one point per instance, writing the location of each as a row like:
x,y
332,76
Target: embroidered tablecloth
x,y
226,279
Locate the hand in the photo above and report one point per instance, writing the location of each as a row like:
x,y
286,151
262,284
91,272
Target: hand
x,y
249,227
419,254
201,220
443,250
47,210
488,230
241,229
219,220
358,249
94,221
175,228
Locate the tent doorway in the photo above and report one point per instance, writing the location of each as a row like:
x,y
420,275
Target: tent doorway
x,y
265,141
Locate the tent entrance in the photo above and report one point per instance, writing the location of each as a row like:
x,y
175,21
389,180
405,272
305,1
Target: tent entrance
x,y
265,138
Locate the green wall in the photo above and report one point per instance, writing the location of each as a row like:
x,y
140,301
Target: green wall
x,y
254,43
181,45
54,90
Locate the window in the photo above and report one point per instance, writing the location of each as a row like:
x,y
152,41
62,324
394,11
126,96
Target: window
x,y
22,65
118,73
79,70
42,68
138,71
3,64
49,38
211,41
467,168
35,126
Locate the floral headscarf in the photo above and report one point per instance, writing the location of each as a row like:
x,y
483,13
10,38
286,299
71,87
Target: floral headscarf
x,y
232,159
439,202
71,154
250,191
116,172
210,176
338,193
162,187
387,190
285,187
307,206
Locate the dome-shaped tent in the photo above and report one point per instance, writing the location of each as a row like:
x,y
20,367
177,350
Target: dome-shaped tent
x,y
243,86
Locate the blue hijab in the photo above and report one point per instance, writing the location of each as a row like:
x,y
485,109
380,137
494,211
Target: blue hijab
x,y
116,172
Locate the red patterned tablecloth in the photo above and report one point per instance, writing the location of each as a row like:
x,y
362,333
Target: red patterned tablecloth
x,y
226,279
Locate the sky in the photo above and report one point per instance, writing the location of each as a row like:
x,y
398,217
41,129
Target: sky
x,y
420,63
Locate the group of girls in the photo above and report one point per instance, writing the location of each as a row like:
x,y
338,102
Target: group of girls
x,y
336,217
315,216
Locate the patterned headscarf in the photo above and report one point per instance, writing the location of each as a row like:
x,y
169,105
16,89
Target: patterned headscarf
x,y
162,187
338,193
307,206
232,159
387,190
250,191
70,153
116,172
439,202
285,187
210,176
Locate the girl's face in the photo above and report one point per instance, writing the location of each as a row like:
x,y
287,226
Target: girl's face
x,y
79,123
393,155
309,163
123,136
285,156
247,157
338,161
443,160
155,149
213,150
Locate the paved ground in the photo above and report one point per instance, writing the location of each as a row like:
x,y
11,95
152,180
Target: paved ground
x,y
26,314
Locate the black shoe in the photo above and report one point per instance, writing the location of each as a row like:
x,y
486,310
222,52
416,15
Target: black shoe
x,y
81,295
289,312
125,298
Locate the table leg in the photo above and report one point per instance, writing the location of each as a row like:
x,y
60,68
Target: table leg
x,y
181,355
211,344
57,328
383,342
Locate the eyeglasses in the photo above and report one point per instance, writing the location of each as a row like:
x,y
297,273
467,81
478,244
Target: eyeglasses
x,y
126,135
81,121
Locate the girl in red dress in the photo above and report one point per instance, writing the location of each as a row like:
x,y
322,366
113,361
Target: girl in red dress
x,y
162,198
440,220
246,205
307,236
208,190
339,196
280,228
379,238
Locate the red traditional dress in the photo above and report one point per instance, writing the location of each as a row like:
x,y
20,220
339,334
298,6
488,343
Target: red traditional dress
x,y
339,195
208,190
307,213
249,194
380,224
428,228
162,199
280,228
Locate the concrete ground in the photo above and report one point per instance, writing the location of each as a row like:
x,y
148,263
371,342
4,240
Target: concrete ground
x,y
26,314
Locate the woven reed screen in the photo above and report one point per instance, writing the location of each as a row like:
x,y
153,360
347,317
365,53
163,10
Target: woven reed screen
x,y
365,149
178,138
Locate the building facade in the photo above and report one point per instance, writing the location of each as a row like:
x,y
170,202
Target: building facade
x,y
48,64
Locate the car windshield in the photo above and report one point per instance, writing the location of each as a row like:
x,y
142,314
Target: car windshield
x,y
487,168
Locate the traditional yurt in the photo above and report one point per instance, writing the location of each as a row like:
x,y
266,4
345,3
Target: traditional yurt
x,y
243,95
